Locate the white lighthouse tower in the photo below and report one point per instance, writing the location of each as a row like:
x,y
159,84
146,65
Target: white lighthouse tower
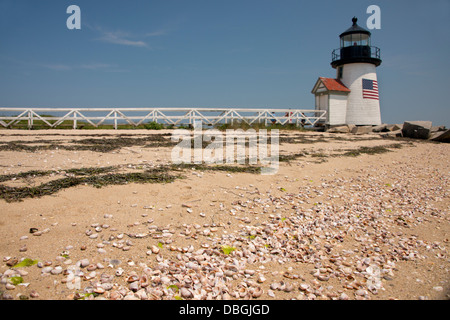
x,y
351,98
356,61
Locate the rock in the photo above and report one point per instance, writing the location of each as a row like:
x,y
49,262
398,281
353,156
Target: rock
x,y
392,134
380,128
339,129
441,136
394,127
351,127
437,129
362,129
417,129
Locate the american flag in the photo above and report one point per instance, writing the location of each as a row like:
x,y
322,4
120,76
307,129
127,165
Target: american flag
x,y
370,89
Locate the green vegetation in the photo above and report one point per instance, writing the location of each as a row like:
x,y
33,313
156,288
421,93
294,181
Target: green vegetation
x,y
16,280
100,177
227,249
25,263
258,126
11,194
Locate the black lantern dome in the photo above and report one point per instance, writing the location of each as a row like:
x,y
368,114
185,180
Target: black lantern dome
x,y
355,47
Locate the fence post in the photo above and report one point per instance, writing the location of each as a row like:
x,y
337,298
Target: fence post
x,y
74,120
30,119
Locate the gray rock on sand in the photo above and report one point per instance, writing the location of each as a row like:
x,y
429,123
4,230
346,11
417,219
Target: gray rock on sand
x,y
361,129
441,136
417,129
339,129
394,127
380,128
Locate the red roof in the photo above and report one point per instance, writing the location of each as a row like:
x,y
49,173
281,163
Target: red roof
x,y
334,84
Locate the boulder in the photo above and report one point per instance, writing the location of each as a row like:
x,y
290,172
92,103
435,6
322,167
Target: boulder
x,y
380,128
351,127
362,129
441,136
417,129
392,134
394,127
339,129
437,128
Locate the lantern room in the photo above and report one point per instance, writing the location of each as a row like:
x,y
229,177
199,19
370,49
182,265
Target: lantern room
x,y
355,47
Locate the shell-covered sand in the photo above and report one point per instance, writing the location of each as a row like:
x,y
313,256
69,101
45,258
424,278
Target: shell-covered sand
x,y
331,224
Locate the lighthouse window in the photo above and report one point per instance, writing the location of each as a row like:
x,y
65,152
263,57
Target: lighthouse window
x,y
356,39
347,40
365,40
339,72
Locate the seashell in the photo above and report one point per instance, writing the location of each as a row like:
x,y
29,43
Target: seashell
x,y
274,286
90,275
304,286
323,278
11,262
360,292
343,296
243,292
256,292
47,269
288,287
155,249
143,281
56,270
119,272
132,278
134,286
186,293
34,294
99,290
165,280
249,272
261,278
9,286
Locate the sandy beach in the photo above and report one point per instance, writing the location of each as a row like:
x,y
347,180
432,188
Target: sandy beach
x,y
103,214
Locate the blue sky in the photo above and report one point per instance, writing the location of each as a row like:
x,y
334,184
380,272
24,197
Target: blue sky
x,y
211,53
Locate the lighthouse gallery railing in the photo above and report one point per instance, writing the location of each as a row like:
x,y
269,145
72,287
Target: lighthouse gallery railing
x,y
357,52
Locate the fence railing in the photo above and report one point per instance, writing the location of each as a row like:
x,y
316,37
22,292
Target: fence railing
x,y
56,117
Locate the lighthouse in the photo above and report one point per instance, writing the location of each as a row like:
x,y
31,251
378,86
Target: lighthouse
x,y
353,96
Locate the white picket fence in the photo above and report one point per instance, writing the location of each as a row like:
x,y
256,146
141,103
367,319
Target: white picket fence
x,y
54,117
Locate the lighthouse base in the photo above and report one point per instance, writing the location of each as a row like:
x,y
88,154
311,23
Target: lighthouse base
x,y
363,105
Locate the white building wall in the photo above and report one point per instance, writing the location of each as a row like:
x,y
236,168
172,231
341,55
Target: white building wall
x,y
321,101
337,109
360,111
